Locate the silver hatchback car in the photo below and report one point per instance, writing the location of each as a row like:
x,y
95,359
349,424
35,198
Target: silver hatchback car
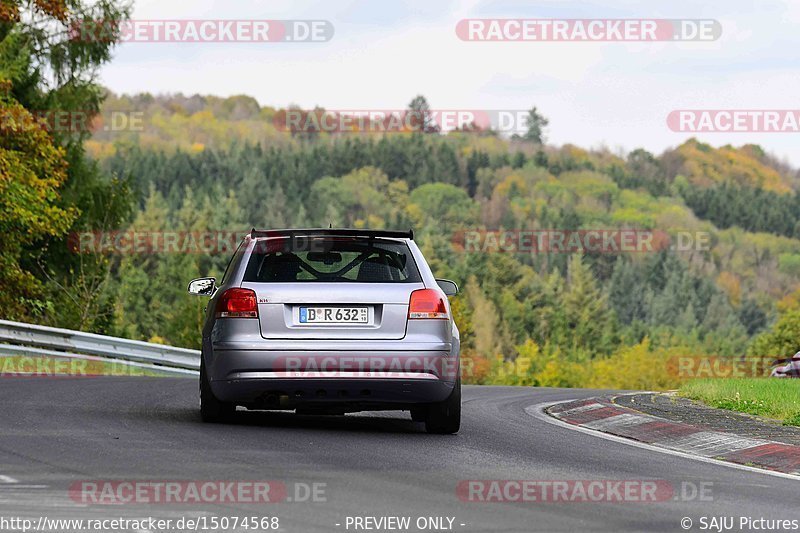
x,y
329,321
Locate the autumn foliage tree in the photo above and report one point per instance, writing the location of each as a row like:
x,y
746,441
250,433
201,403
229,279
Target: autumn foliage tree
x,y
47,186
32,170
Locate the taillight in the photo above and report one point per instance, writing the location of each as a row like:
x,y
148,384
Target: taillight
x,y
237,303
427,303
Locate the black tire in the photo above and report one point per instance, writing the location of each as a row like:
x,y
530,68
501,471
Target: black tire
x,y
419,414
212,410
444,417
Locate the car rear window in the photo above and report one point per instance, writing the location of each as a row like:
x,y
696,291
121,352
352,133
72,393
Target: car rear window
x,y
333,259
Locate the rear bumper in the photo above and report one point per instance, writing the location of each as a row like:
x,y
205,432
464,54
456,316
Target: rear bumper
x,y
349,394
289,379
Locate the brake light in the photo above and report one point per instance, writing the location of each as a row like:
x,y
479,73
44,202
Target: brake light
x,y
237,303
427,303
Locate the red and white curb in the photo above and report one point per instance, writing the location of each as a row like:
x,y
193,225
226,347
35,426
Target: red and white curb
x,y
601,414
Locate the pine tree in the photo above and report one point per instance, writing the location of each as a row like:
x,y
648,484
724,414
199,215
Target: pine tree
x,y
586,309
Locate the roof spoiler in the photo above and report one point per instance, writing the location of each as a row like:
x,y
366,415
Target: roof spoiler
x,y
327,232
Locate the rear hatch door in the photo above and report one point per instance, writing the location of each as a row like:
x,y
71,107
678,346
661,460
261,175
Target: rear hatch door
x,y
338,310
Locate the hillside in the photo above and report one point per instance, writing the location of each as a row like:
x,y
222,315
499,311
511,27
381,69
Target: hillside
x,y
207,163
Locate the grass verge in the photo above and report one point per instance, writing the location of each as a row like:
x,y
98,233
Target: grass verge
x,y
770,397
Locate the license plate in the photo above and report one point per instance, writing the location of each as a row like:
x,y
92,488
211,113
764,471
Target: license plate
x,y
334,315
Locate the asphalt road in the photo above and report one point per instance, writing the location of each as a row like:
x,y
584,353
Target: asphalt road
x,y
54,432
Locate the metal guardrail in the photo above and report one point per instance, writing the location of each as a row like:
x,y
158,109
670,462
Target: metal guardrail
x,y
47,341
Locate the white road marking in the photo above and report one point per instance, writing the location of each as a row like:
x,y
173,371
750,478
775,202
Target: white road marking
x,y
623,420
581,409
713,443
7,479
537,411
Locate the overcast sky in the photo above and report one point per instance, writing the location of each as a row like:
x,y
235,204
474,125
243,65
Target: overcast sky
x,y
385,52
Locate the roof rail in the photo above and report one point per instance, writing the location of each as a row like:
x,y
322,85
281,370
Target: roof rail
x,y
327,232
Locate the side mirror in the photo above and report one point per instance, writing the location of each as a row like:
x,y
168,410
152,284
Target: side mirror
x,y
449,287
202,286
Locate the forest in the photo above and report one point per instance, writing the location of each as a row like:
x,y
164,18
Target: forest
x,y
555,319
205,164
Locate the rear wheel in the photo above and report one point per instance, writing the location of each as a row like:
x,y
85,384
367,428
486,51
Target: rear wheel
x,y
445,417
211,409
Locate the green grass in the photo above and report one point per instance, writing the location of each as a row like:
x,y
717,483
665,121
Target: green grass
x,y
769,397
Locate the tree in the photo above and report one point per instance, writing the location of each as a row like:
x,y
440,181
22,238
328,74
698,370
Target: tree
x,y
443,206
783,340
48,187
752,317
420,117
360,196
485,330
643,169
536,123
32,169
625,292
590,322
